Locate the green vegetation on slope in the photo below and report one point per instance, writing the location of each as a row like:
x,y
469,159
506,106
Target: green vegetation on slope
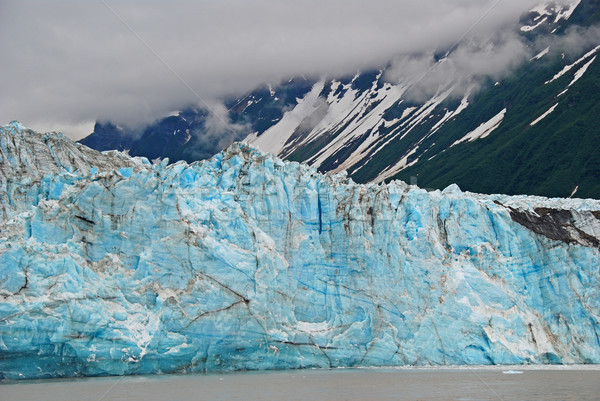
x,y
551,158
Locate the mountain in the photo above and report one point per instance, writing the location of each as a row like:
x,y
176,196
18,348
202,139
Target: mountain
x,y
534,131
113,265
189,136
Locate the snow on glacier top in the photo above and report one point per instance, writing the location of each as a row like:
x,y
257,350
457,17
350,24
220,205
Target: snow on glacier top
x,y
84,160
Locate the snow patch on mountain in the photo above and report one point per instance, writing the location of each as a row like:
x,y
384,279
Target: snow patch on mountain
x,y
566,12
544,11
416,118
275,138
357,127
403,163
529,28
464,103
541,54
540,118
484,129
582,71
568,68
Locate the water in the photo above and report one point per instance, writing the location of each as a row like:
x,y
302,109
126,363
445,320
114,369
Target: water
x,y
514,383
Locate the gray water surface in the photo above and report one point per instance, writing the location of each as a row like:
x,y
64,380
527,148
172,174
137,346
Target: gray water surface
x,y
515,383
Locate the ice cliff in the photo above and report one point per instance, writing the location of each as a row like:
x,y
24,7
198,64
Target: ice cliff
x,y
113,265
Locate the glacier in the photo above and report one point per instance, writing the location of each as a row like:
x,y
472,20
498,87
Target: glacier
x,y
112,265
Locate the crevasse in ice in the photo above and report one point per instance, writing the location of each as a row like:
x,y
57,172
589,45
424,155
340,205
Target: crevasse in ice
x,y
113,265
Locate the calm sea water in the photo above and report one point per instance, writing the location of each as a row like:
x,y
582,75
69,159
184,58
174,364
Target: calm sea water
x,y
514,383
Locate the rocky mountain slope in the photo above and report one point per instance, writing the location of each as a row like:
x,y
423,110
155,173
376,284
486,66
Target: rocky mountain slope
x,y
195,134
114,265
534,131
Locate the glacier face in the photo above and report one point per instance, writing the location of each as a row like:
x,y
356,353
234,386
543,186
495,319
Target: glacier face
x,y
112,265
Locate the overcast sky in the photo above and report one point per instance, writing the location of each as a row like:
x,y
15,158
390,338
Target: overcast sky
x,y
66,64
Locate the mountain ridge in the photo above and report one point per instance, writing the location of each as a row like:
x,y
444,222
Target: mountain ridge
x,y
369,127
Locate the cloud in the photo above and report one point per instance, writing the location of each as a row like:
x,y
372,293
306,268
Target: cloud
x,y
573,42
218,131
70,62
491,53
474,58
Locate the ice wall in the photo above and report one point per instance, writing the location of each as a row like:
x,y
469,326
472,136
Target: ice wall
x,y
246,262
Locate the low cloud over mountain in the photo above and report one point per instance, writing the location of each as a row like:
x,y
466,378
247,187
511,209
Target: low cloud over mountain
x,y
67,63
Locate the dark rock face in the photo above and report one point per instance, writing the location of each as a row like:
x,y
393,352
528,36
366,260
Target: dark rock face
x,y
555,224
